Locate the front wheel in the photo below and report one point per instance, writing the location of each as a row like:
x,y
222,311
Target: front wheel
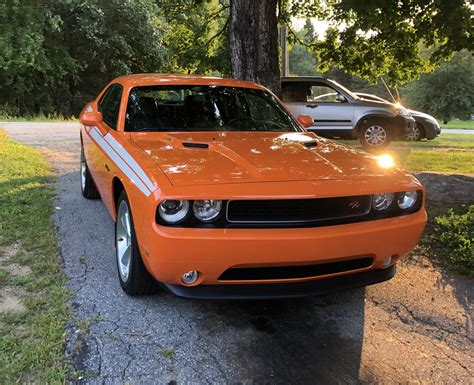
x,y
374,134
133,275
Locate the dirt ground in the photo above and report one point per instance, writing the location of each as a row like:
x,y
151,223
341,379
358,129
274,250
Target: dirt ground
x,y
417,327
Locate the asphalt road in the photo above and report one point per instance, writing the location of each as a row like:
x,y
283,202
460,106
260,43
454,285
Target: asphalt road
x,y
415,328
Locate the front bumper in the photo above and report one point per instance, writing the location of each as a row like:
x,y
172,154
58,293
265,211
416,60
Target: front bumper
x,y
283,290
431,129
170,252
403,125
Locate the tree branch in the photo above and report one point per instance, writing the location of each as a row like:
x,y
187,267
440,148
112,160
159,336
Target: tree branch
x,y
220,32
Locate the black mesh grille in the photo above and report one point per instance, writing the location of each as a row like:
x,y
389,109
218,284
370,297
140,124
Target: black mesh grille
x,y
297,210
289,272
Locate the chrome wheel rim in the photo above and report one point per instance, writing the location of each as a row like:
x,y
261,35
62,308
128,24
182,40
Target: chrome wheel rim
x,y
414,135
375,135
83,174
124,241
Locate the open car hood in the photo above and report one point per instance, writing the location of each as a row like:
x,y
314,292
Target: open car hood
x,y
204,158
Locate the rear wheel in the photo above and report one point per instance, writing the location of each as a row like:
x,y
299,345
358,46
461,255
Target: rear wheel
x,y
374,134
88,188
133,275
417,133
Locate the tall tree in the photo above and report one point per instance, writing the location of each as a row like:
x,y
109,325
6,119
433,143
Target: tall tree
x,y
447,92
253,41
372,38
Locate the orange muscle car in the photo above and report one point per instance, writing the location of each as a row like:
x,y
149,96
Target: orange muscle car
x,y
218,192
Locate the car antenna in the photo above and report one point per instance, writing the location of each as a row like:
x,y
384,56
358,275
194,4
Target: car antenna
x,y
388,89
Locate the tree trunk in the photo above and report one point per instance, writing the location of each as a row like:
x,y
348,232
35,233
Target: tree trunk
x,y
253,40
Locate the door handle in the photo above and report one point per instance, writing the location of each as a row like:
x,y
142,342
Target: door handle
x,y
311,105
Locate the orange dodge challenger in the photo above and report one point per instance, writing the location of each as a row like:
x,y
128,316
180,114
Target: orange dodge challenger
x,y
218,192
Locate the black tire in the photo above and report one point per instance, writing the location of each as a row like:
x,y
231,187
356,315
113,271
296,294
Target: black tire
x,y
139,281
417,134
380,132
88,188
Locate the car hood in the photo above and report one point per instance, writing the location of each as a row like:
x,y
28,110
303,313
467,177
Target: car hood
x,y
201,158
419,114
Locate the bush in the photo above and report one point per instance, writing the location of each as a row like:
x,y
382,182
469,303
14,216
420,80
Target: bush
x,y
454,236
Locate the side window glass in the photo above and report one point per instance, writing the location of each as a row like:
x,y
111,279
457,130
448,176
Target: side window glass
x,y
109,105
321,93
294,92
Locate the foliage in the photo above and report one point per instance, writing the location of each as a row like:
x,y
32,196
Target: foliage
x,y
31,340
196,35
447,92
381,38
55,55
302,61
454,235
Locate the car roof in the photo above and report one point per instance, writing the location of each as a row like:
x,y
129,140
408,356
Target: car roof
x,y
150,79
300,78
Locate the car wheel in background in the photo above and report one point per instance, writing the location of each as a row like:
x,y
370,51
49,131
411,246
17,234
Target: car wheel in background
x,y
133,275
417,133
374,133
88,188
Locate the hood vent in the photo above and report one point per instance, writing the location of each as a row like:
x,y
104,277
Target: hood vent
x,y
310,144
195,145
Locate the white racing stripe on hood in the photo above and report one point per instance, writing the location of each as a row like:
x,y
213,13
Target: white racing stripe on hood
x,y
119,162
130,161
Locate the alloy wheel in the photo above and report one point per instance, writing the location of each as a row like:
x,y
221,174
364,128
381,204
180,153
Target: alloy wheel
x,y
124,241
375,135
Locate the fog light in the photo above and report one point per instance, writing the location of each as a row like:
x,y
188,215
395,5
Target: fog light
x,y
190,277
387,262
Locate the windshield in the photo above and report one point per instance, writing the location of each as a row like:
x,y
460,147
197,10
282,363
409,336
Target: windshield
x,y
350,93
205,108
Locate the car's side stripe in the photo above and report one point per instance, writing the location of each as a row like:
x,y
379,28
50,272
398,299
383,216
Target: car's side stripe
x,y
94,132
131,162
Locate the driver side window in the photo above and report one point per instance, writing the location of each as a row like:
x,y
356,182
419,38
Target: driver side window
x,y
321,93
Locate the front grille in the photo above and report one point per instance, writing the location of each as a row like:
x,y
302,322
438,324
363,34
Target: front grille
x,y
289,272
297,210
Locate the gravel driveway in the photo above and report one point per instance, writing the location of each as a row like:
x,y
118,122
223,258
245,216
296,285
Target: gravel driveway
x,y
414,328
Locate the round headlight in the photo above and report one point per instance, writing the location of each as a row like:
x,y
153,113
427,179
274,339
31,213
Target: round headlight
x,y
207,210
407,199
173,211
382,201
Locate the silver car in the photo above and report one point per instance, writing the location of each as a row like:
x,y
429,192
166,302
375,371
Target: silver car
x,y
339,113
426,126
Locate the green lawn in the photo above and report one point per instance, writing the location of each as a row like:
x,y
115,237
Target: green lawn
x,y
39,118
448,153
459,124
32,332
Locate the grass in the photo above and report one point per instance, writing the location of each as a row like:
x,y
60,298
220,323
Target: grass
x,y
32,339
38,118
459,124
449,153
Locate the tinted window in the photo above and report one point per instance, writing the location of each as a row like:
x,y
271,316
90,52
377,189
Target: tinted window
x,y
294,92
109,105
205,108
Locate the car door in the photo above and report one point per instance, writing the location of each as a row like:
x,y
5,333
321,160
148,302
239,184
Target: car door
x,y
109,106
293,94
328,107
